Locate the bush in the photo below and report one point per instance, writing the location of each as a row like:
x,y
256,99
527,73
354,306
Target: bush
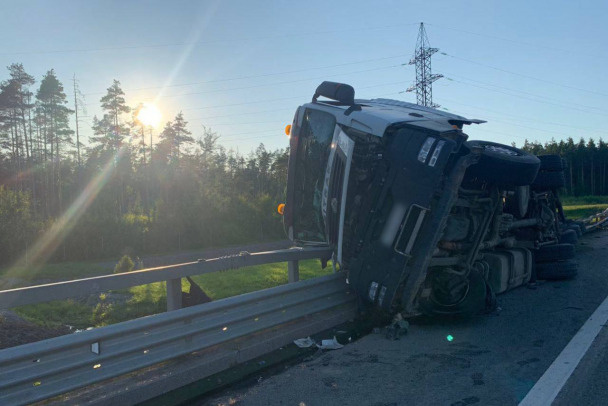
x,y
124,265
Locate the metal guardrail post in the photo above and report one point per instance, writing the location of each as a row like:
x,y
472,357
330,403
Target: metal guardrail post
x,y
174,294
293,271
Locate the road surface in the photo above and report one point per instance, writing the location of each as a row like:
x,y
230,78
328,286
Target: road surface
x,y
491,360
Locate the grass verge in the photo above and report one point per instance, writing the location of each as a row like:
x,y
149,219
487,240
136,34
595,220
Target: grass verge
x,y
144,300
581,211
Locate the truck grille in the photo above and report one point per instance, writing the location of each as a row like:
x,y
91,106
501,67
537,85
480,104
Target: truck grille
x,y
409,229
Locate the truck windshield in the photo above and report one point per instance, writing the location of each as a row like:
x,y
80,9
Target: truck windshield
x,y
311,161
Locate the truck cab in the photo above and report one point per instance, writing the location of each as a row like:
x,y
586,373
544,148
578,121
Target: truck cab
x,y
414,212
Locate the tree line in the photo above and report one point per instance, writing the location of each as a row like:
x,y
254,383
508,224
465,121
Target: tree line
x,y
120,193
586,163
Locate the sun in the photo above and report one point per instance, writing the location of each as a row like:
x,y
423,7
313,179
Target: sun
x,y
149,115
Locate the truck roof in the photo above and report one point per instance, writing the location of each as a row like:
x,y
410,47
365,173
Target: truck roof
x,y
376,115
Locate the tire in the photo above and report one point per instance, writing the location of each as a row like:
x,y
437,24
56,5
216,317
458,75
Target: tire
x,y
556,271
576,228
551,253
568,237
502,164
550,163
473,302
549,180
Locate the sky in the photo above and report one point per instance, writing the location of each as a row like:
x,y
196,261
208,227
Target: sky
x,y
533,70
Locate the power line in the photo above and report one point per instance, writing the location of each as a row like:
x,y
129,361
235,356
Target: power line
x,y
281,83
530,44
261,75
246,123
285,98
514,123
520,91
507,134
287,82
525,76
176,44
301,97
522,118
569,107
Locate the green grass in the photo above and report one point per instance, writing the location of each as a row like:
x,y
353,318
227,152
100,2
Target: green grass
x,y
583,200
581,211
57,313
151,299
579,207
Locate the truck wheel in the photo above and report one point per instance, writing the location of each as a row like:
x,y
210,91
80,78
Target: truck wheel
x,y
503,165
473,301
558,252
550,163
549,180
568,237
555,271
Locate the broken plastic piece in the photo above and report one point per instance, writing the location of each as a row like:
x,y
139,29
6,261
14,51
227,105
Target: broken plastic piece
x,y
330,344
304,342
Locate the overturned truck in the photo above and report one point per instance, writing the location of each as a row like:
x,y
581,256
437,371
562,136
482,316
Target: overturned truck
x,y
423,220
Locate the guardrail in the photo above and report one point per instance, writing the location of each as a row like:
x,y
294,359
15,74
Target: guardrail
x,y
172,274
41,370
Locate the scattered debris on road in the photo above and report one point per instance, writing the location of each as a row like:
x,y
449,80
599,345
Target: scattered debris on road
x,y
304,342
332,344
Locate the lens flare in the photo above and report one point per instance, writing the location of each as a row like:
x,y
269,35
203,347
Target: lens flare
x,y
48,243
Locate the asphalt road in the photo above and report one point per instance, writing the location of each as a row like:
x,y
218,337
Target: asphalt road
x,y
492,359
589,382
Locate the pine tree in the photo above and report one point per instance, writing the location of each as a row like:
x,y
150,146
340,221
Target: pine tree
x,y
53,121
180,133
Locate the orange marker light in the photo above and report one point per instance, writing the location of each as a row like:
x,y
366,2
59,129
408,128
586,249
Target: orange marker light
x,y
288,130
281,209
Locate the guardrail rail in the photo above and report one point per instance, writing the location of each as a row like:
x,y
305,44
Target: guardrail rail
x,y
44,369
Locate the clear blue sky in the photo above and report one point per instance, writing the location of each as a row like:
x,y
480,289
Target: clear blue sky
x,y
533,70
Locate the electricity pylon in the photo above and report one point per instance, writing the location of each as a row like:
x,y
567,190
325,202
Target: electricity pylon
x,y
424,77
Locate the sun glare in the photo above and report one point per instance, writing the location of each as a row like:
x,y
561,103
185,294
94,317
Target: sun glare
x,y
149,115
